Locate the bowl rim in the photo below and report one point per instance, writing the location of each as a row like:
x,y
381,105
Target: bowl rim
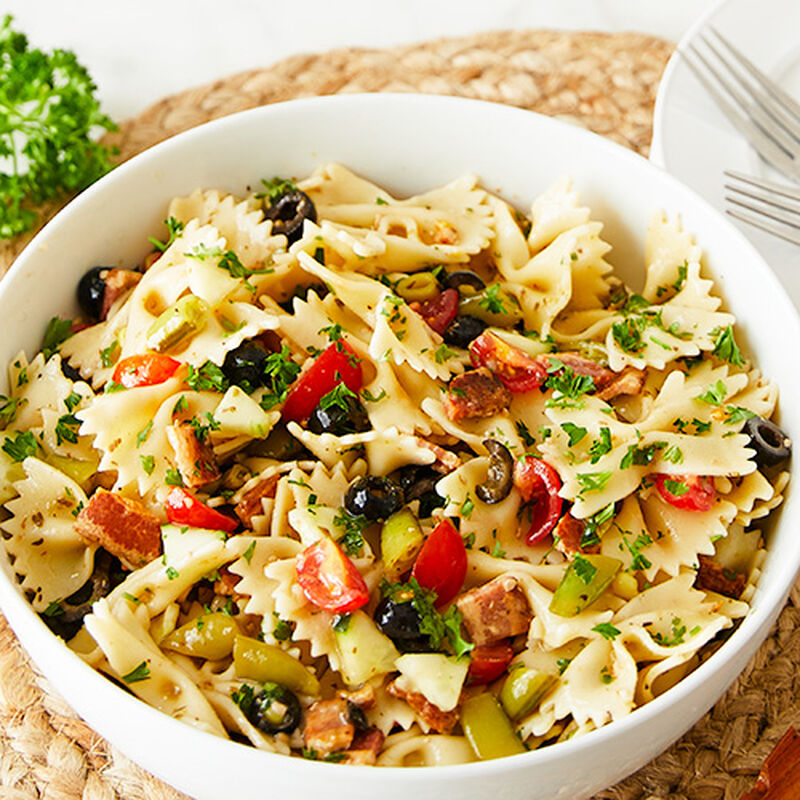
x,y
772,597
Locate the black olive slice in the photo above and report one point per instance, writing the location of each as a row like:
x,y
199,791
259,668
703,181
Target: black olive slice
x,y
244,366
92,290
462,330
339,421
275,709
374,497
463,277
400,621
500,479
288,212
771,444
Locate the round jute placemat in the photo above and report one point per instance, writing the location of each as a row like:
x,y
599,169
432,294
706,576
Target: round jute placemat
x,y
606,83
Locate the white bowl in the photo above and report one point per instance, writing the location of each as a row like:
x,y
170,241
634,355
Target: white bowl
x,y
408,143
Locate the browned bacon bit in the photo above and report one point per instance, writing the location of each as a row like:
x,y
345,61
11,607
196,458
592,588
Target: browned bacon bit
x,y
494,611
713,577
250,504
195,459
226,582
433,716
364,697
445,460
118,282
328,726
779,778
365,747
629,381
122,526
568,534
476,393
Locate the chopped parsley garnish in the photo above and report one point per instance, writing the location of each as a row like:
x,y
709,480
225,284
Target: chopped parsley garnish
x,y
281,372
593,481
714,395
67,429
283,629
208,378
371,398
673,454
148,464
276,187
607,631
201,431
108,355
676,488
21,446
638,561
736,414
725,347
248,554
181,404
443,353
681,279
492,301
58,331
141,437
140,673
524,433
628,334
640,456
467,507
574,432
8,409
600,446
53,609
173,478
584,569
233,266
333,331
562,664
243,697
590,534
172,573
677,637
338,397
497,551
174,228
341,622
72,400
565,382
352,540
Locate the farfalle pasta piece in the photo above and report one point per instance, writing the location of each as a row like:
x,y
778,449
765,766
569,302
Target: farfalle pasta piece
x,y
668,251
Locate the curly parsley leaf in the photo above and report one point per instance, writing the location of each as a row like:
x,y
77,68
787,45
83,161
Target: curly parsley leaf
x,y
58,331
174,228
48,114
208,378
725,347
281,372
276,187
21,446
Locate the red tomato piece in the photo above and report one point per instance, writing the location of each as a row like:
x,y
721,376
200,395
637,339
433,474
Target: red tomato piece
x,y
329,579
517,371
439,311
442,563
489,661
539,484
337,364
146,369
689,492
185,509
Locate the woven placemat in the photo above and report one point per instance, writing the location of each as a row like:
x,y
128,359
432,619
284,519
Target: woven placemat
x,y
604,82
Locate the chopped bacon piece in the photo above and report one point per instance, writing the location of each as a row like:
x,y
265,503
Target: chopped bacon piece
x,y
364,697
122,526
118,282
328,726
249,505
568,534
195,459
365,747
445,460
226,582
494,611
629,381
433,716
476,393
779,778
712,577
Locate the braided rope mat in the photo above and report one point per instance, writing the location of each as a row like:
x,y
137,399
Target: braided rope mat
x,y
604,82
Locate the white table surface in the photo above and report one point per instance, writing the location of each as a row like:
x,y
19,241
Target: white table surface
x,y
141,50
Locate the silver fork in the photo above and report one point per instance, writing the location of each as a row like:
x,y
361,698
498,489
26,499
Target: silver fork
x,y
759,109
773,207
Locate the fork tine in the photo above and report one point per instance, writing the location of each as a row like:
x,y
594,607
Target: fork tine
x,y
766,103
764,145
775,230
767,201
788,102
767,186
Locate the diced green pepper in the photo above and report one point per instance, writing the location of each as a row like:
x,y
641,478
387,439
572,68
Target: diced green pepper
x,y
417,287
262,662
181,320
494,305
586,578
207,636
401,540
488,729
79,471
523,690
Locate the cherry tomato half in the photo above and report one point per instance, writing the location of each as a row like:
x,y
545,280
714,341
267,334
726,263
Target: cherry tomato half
x,y
439,311
185,509
539,484
442,563
688,492
489,661
337,364
146,369
517,371
329,579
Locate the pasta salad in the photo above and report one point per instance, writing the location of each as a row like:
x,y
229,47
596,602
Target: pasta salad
x,y
391,481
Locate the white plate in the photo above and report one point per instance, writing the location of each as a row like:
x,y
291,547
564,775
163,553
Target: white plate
x,y
694,141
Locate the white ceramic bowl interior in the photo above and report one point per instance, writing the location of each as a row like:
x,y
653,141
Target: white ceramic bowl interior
x,y
408,143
